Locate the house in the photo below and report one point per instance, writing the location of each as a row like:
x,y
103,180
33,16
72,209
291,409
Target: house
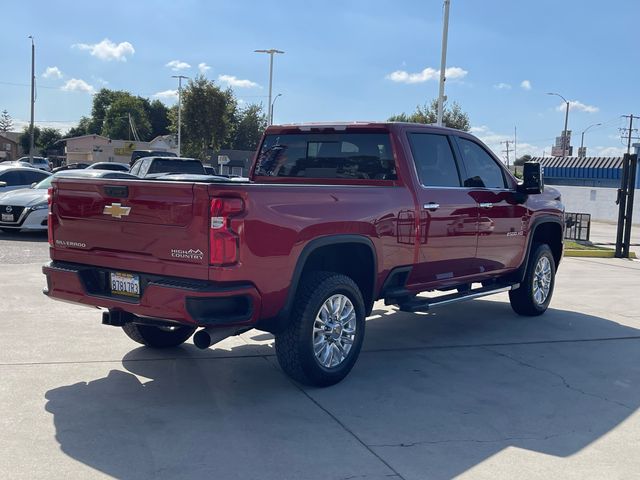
x,y
239,162
10,148
97,148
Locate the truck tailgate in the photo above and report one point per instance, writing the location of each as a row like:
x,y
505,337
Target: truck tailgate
x,y
147,226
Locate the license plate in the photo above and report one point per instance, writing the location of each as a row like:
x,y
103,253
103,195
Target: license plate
x,y
7,217
127,284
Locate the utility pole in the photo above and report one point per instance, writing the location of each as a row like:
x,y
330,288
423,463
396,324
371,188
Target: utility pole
x,y
33,100
271,52
179,77
506,150
515,143
443,61
626,193
272,106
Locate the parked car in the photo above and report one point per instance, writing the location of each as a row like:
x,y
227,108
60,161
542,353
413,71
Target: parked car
x,y
149,167
71,166
40,163
27,208
115,166
14,177
209,169
137,154
332,218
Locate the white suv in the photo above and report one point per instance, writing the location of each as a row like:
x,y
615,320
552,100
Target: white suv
x,y
38,162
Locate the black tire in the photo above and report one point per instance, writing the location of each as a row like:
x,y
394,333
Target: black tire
x,y
157,337
294,345
522,299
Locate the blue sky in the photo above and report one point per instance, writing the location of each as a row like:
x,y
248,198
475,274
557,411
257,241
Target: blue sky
x,y
344,60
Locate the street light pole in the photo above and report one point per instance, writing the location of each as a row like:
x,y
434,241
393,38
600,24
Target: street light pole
x,y
33,100
443,61
583,132
272,105
566,121
179,77
271,52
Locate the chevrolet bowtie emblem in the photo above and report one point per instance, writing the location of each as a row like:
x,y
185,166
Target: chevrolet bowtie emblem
x,y
116,210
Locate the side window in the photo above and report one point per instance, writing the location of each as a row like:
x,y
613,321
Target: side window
x,y
12,178
434,160
144,167
29,177
482,169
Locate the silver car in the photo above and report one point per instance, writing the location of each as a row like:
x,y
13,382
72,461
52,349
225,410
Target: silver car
x,y
27,208
40,163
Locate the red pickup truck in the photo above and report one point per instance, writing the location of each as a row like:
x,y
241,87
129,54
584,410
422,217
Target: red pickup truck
x,y
332,218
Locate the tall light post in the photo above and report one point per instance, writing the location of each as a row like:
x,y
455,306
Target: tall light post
x,y
583,132
443,61
33,100
179,77
271,52
272,105
565,140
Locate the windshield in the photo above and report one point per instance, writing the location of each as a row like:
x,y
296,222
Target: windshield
x,y
44,184
176,166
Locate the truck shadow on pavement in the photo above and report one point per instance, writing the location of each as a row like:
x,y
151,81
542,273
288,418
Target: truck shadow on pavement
x,y
38,237
433,397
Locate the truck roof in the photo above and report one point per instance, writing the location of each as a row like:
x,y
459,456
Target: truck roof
x,y
355,125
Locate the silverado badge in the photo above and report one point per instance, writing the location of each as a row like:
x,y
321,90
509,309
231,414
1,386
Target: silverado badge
x,y
116,210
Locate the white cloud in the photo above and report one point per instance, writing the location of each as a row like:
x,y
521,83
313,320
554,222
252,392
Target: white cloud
x,y
203,67
578,106
606,151
52,72
77,85
177,65
525,85
236,82
108,50
402,76
502,86
167,95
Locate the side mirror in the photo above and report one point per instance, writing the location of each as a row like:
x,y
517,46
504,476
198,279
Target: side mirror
x,y
3,184
532,181
34,184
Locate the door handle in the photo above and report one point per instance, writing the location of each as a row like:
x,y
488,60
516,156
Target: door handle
x,y
431,206
486,205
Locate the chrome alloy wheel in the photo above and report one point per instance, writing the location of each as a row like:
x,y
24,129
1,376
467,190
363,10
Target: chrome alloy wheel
x,y
334,331
541,280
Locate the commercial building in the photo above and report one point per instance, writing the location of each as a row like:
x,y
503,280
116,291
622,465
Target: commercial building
x,y
97,148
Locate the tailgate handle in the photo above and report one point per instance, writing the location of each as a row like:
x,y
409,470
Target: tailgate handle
x,y
117,191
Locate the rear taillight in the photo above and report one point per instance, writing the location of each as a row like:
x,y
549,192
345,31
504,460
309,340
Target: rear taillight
x,y
50,216
223,241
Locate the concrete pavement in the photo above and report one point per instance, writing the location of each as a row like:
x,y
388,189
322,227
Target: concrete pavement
x,y
469,391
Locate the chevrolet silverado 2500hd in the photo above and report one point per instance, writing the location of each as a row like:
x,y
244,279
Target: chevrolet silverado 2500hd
x,y
332,218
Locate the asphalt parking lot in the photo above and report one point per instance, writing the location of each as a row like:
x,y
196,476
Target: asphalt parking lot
x,y
469,391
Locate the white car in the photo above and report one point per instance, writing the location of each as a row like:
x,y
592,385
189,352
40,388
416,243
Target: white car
x,y
27,208
14,177
40,163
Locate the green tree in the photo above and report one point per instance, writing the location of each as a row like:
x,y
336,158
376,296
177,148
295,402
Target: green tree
x,y
47,139
453,117
6,122
207,117
522,160
25,138
101,103
116,120
158,115
81,129
249,125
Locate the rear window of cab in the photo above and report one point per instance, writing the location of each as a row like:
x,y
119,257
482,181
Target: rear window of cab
x,y
354,156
